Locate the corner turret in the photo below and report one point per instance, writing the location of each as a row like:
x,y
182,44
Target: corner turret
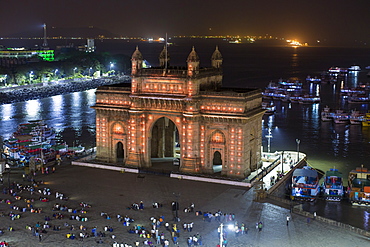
x,y
193,63
136,61
216,59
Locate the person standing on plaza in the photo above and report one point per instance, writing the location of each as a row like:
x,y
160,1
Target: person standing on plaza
x,y
287,220
167,225
166,243
158,237
190,226
260,225
175,240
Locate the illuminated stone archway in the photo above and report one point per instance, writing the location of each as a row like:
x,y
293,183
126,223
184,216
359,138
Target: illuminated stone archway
x,y
163,139
216,152
117,143
209,119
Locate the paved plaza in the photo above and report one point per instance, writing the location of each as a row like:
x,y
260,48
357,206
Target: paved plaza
x,y
112,192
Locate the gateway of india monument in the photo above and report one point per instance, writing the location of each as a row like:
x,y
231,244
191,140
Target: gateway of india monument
x,y
180,112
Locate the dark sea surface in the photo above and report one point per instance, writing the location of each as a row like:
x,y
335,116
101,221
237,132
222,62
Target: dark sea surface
x,y
344,147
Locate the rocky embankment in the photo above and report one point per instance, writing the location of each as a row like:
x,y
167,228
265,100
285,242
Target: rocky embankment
x,y
24,93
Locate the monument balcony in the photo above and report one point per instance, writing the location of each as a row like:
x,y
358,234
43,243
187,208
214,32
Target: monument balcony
x,y
177,72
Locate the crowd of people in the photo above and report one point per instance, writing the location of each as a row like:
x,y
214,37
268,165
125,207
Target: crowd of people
x,y
59,215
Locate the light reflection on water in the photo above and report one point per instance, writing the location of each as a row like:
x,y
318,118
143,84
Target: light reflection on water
x,y
70,115
6,111
33,108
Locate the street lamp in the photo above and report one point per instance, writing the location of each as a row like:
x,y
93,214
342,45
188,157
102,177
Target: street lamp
x,y
111,67
90,71
175,207
31,76
297,141
282,162
221,234
55,72
7,166
74,72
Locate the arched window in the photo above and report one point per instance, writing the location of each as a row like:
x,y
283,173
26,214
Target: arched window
x,y
218,137
117,129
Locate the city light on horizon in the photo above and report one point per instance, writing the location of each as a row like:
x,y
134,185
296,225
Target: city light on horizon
x,y
303,21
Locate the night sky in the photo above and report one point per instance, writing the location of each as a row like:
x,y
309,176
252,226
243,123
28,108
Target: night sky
x,y
307,21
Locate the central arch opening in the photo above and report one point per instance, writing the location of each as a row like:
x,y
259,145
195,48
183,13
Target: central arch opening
x,y
165,145
217,162
120,153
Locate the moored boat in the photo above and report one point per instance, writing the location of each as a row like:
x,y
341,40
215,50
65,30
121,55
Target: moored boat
x,y
358,99
356,117
340,117
32,140
309,99
366,120
313,79
337,70
269,108
305,184
354,68
326,114
358,190
333,189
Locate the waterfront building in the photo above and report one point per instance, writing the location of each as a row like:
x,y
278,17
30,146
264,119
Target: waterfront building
x,y
180,112
21,55
89,47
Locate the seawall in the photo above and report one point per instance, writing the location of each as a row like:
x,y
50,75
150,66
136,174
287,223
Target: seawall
x,y
10,95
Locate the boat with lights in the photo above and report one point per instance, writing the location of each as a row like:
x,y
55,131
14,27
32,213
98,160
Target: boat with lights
x,y
305,184
332,187
309,99
313,79
326,114
269,108
354,68
366,120
358,99
33,140
341,117
358,190
356,117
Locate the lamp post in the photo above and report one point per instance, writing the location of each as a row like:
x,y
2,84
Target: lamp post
x,y
175,207
74,72
8,167
221,234
282,162
90,71
269,136
297,141
111,67
31,76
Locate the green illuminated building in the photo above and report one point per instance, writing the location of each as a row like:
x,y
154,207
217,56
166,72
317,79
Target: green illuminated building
x,y
17,53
